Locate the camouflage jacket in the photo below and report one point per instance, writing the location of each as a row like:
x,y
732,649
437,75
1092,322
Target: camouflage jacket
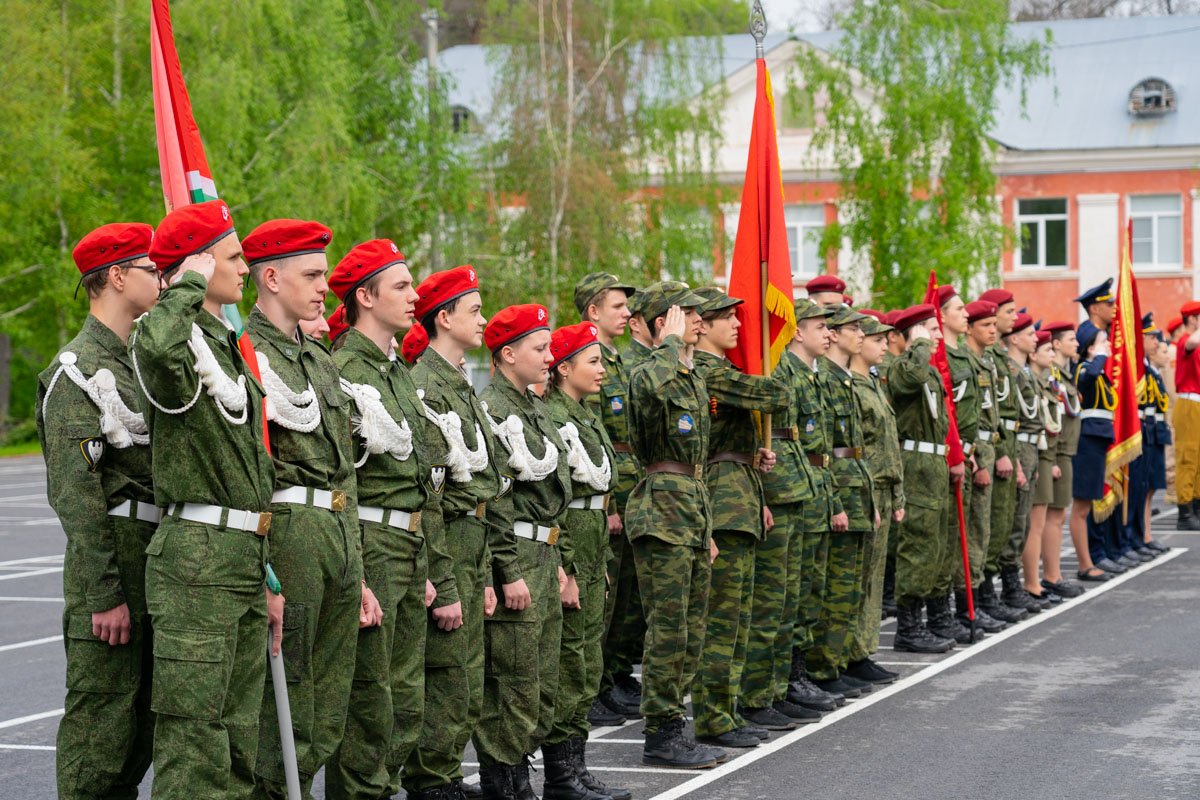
x,y
736,489
916,389
611,407
986,376
850,477
880,440
635,353
206,449
669,421
390,478
1029,404
94,460
792,479
968,400
1068,441
816,431
596,449
1006,399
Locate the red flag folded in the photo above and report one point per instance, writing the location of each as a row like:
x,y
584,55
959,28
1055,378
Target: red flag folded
x,y
954,451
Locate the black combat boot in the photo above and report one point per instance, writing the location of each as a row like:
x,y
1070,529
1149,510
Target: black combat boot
x,y
579,758
562,781
1186,521
669,746
448,792
889,588
521,783
601,716
942,622
497,782
983,620
911,634
1013,592
803,692
985,598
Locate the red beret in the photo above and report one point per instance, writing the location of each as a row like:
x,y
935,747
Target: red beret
x,y
111,244
567,341
512,323
1175,324
442,287
1058,325
337,323
878,315
825,283
848,300
944,293
890,317
912,315
1190,309
361,263
980,309
280,238
1043,337
1022,322
188,230
998,296
414,343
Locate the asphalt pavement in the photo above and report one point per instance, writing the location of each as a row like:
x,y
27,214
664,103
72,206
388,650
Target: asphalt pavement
x,y
1098,698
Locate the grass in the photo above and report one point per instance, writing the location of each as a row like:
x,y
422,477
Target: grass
x,y
22,449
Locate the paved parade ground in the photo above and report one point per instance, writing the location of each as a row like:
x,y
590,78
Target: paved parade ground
x,y
1098,698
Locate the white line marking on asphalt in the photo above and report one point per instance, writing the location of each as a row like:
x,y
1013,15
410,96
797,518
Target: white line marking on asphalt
x,y
40,496
40,521
39,484
12,723
30,643
29,573
879,695
616,741
34,560
49,747
31,600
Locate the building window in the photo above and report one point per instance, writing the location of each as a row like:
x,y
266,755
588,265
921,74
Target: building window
x,y
805,225
1157,229
1042,226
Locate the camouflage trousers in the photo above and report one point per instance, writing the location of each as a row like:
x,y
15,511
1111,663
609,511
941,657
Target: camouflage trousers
x,y
674,580
839,605
1004,507
520,673
106,734
453,669
718,680
624,617
921,537
814,556
579,664
316,556
1014,544
204,592
387,701
864,632
952,571
979,517
773,610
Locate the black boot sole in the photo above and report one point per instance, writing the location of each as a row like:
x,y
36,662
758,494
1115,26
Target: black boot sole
x,y
651,761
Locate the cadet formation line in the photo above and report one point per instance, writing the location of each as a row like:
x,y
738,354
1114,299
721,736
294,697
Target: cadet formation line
x,y
491,569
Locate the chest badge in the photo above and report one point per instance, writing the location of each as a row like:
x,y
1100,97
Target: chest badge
x,y
617,404
437,478
93,451
810,427
685,424
506,484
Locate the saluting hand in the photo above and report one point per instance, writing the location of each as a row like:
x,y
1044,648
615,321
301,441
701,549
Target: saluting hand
x,y
674,323
202,263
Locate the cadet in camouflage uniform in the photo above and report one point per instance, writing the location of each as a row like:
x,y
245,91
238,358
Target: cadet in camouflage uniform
x,y
400,523
315,549
205,566
668,520
579,371
881,447
602,299
916,389
448,309
732,478
97,453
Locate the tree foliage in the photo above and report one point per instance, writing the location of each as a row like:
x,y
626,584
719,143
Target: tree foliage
x,y
908,96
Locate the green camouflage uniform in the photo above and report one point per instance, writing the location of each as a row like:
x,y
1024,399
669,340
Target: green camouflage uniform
x,y
315,553
979,516
106,734
668,521
881,446
454,659
1030,435
387,701
1004,490
583,546
916,389
204,583
737,502
968,402
882,372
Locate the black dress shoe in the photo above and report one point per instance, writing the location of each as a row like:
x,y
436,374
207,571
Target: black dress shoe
x,y
1092,577
867,670
1109,565
1063,588
804,692
738,738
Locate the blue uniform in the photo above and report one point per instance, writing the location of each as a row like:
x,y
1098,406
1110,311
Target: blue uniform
x,y
1095,435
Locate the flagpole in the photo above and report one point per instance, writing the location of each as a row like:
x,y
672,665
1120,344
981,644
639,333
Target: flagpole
x,y
758,29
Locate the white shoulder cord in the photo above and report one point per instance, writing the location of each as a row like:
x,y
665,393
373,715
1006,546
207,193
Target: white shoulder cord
x,y
1028,410
375,425
230,395
460,459
582,469
512,432
960,390
296,411
1002,395
1052,420
929,396
120,425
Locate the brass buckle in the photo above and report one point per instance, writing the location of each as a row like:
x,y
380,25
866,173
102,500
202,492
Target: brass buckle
x,y
607,502
795,433
414,522
479,509
338,500
264,524
826,459
552,539
699,472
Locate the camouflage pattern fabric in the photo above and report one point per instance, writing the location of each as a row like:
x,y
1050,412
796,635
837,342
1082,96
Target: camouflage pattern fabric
x,y
979,518
1004,490
840,607
773,609
864,631
718,679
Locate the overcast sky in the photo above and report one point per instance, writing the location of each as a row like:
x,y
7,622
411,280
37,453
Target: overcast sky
x,y
783,15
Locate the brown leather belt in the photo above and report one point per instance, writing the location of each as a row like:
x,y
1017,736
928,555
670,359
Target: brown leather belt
x,y
847,452
731,456
622,447
789,434
676,468
818,460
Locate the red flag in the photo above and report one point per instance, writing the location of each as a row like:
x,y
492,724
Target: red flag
x,y
954,452
761,273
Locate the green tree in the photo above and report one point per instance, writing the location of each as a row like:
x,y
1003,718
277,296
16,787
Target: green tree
x,y
908,96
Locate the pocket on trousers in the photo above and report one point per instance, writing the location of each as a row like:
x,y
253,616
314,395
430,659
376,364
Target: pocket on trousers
x,y
371,662
445,648
295,646
189,674
96,666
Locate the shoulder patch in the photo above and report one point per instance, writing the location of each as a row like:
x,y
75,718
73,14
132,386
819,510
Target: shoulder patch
x,y
506,484
685,424
437,478
93,451
617,404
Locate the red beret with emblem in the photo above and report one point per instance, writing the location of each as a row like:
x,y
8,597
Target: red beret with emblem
x,y
1175,324
1022,322
512,323
998,296
1043,337
944,293
363,262
569,340
442,287
112,244
414,344
1058,325
825,283
282,238
188,230
980,309
913,315
337,323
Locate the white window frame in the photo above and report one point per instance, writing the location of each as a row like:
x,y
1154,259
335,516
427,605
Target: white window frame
x,y
1040,221
1155,238
803,229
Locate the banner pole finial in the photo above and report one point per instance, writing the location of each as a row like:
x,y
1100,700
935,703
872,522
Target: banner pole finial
x,y
758,27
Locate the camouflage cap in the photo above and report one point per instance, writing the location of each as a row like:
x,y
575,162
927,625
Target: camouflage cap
x,y
659,297
872,326
807,309
715,299
636,300
845,315
593,284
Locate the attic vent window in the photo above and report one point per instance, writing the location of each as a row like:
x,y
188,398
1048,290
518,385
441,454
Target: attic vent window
x,y
1152,97
461,119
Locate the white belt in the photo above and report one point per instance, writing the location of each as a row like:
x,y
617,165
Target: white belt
x,y
925,447
1027,438
985,436
132,509
212,515
304,496
1150,413
477,511
538,533
1096,413
592,503
393,518
967,447
1009,424
1193,396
